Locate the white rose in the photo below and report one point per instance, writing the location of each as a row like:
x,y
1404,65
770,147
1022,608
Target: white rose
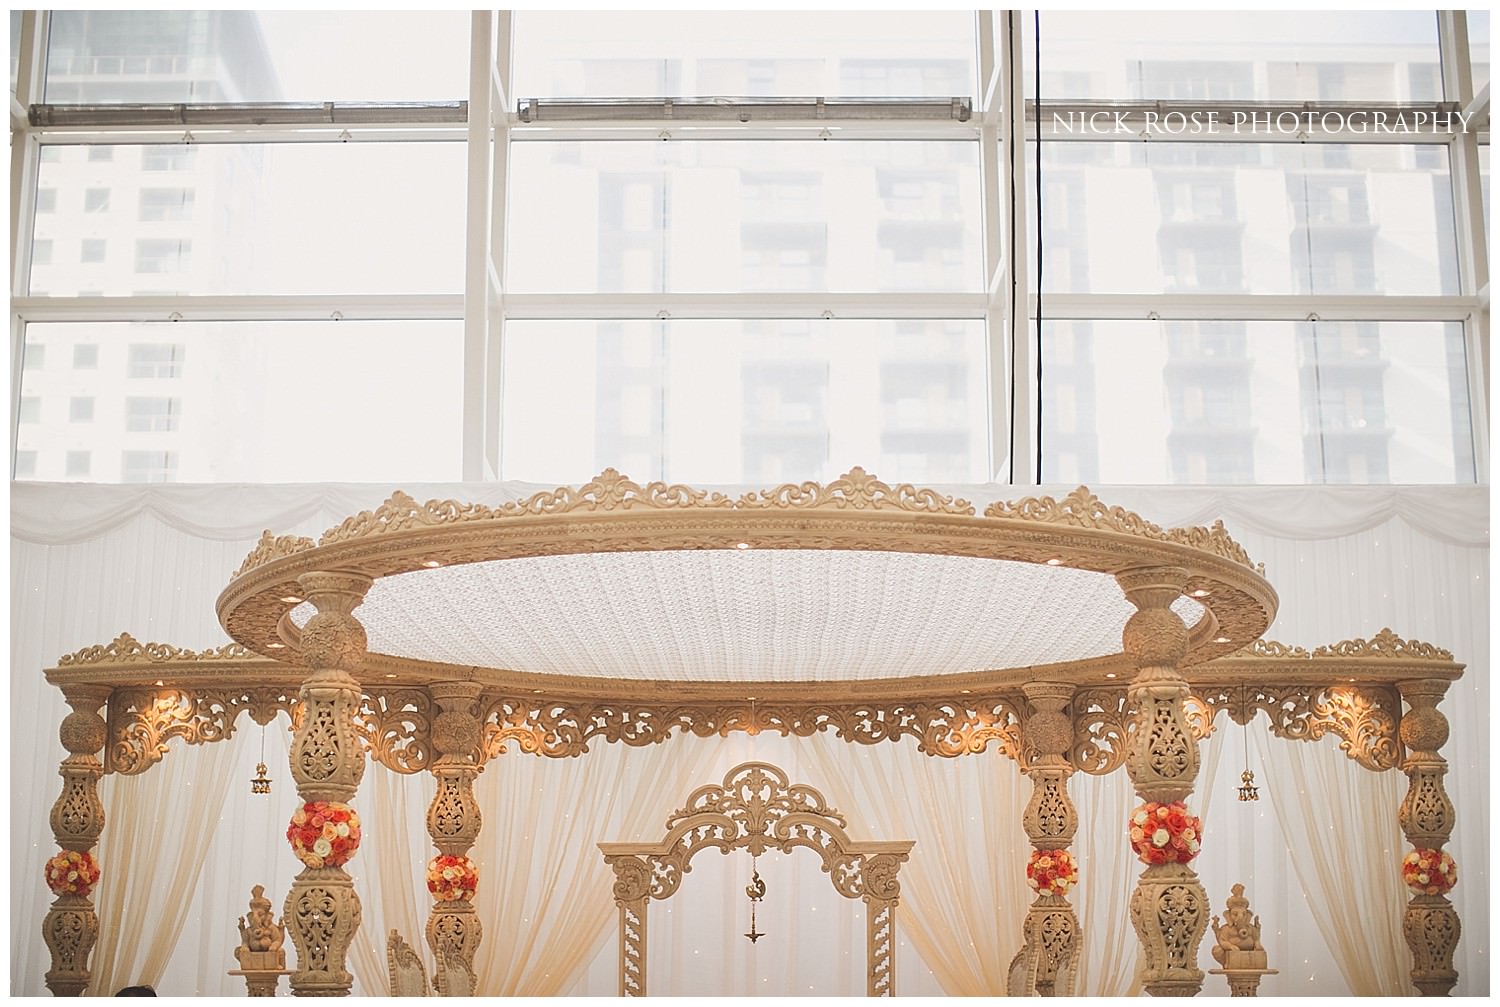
x,y
322,847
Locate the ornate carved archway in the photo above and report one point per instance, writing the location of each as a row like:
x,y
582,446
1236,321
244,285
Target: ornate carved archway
x,y
757,808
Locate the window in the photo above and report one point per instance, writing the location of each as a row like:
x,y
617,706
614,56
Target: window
x,y
81,409
93,250
86,356
46,200
35,357
31,409
155,360
99,152
25,464
148,467
176,158
166,204
95,200
162,255
41,252
154,415
76,465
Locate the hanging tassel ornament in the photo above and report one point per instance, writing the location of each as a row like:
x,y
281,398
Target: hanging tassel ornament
x,y
260,783
1248,790
756,890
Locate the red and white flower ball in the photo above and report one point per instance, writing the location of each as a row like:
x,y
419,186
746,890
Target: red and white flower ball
x,y
1429,872
324,833
72,873
1165,833
451,878
1051,872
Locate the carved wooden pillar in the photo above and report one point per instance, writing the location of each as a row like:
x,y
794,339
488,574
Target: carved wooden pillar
x,y
1431,925
454,820
1047,964
71,926
1169,908
880,952
322,911
632,892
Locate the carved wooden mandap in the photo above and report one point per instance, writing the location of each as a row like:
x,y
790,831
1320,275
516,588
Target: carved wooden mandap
x,y
1099,641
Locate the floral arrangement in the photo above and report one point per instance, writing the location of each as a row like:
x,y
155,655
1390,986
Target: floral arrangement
x,y
1429,872
72,873
1164,833
324,833
452,878
1051,872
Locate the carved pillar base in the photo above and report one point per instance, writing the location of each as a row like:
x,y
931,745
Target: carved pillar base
x,y
1169,911
456,922
1047,964
322,912
1431,928
70,930
1243,982
262,982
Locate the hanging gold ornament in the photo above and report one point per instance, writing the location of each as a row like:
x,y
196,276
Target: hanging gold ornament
x,y
260,783
756,890
1248,790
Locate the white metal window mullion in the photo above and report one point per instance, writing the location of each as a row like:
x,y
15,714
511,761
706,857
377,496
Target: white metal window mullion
x,y
24,159
1468,211
992,228
502,80
477,266
1025,392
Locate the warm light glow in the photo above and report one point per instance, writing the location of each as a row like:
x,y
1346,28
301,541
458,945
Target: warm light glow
x,y
1221,639
291,599
1054,561
159,682
1109,674
430,564
275,646
742,545
1201,593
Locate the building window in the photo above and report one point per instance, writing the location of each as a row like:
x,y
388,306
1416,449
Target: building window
x,y
166,204
155,360
35,357
77,465
81,409
25,464
162,255
93,250
148,467
173,158
95,200
46,200
41,252
86,356
31,409
152,415
100,152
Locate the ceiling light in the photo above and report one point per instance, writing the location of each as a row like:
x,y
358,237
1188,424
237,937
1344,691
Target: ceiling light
x,y
291,599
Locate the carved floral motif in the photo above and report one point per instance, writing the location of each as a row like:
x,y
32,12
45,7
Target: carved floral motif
x,y
1082,509
126,648
272,547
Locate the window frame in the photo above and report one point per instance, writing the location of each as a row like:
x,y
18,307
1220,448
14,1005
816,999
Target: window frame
x,y
1003,118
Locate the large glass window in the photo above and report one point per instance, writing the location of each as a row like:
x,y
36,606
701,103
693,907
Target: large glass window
x,y
746,402
798,215
242,401
753,298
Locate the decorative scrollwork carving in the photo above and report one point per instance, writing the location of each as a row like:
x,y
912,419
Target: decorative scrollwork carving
x,y
1364,717
859,490
1082,509
126,648
946,728
396,727
1272,648
1384,644
1103,723
610,490
272,547
142,721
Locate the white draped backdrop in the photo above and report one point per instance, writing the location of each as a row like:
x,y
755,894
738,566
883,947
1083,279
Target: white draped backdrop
x,y
1318,853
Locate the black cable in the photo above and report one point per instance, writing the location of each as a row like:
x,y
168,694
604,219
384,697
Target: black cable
x,y
1037,67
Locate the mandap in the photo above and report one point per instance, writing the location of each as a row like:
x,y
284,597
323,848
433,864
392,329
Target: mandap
x,y
1073,638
